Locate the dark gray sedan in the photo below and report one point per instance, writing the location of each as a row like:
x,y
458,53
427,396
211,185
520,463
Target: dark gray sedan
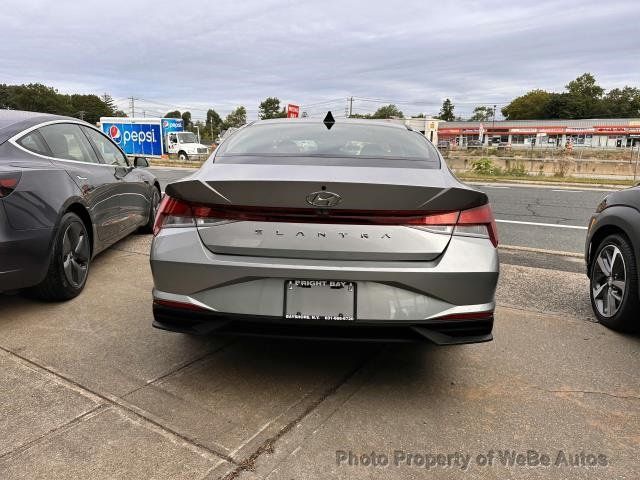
x,y
67,192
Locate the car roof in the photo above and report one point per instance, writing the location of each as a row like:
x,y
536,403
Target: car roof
x,y
14,121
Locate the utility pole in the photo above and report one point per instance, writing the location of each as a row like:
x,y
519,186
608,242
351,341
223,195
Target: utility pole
x,y
81,114
635,170
350,107
494,117
132,105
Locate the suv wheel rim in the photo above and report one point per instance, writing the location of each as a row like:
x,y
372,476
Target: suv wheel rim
x,y
75,254
608,282
155,201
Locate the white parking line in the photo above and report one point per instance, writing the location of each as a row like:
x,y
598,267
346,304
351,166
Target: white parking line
x,y
555,225
569,191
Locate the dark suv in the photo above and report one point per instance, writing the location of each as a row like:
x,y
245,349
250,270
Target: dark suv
x,y
612,252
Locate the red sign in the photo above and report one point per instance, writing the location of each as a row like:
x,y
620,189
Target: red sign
x,y
551,129
618,129
293,111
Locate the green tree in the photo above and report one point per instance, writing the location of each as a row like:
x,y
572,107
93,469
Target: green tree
x,y
482,114
618,102
89,107
186,121
559,105
585,97
36,97
108,101
585,86
446,112
213,125
173,114
270,108
236,118
420,115
532,105
388,111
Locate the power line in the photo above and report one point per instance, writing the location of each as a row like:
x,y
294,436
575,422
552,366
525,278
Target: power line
x,y
132,105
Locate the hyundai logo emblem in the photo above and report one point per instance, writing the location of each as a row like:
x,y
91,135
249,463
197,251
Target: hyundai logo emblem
x,y
323,199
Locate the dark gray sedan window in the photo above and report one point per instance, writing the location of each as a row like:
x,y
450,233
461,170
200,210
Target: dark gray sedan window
x,y
66,141
346,140
111,155
34,142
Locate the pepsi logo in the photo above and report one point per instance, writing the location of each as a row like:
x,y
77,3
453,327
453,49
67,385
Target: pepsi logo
x,y
165,123
114,133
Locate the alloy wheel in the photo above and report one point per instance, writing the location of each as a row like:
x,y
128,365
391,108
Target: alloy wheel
x,y
608,281
155,201
75,253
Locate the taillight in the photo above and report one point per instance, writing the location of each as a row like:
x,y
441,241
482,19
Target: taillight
x,y
478,222
173,213
8,183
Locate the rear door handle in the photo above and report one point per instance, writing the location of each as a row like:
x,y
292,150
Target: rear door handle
x,y
81,178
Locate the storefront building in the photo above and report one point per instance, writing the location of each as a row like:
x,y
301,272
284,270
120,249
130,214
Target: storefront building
x,y
594,133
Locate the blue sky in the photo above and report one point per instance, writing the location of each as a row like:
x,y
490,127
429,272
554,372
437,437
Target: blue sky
x,y
201,54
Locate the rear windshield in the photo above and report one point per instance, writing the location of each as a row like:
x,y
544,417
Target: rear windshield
x,y
311,142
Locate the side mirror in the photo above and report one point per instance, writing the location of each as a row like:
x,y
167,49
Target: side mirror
x,y
140,162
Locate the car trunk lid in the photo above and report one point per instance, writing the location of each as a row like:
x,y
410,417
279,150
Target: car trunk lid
x,y
344,213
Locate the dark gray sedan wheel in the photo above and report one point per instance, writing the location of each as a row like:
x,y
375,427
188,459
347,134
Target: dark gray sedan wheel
x,y
70,261
614,284
155,201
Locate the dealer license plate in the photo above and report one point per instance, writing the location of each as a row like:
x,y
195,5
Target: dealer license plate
x,y
320,300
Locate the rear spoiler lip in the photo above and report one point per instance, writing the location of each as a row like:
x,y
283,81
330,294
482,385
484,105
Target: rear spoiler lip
x,y
200,192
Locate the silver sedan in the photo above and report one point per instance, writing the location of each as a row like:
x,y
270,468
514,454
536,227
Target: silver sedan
x,y
350,229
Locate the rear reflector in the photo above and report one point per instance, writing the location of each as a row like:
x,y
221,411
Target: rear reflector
x,y
178,305
467,316
477,222
8,183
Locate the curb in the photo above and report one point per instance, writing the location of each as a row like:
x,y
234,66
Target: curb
x,y
517,248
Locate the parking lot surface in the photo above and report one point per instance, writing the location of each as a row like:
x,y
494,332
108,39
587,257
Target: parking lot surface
x,y
89,390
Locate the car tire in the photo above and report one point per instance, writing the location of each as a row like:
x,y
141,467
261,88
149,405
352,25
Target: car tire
x,y
155,201
613,287
182,156
70,260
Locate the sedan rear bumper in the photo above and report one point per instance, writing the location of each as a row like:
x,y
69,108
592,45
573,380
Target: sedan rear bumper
x,y
394,300
439,332
24,255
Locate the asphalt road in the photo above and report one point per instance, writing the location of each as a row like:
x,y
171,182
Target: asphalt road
x,y
532,216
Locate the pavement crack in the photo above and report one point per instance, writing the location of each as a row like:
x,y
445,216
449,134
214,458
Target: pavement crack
x,y
61,428
179,368
133,252
268,445
592,392
121,403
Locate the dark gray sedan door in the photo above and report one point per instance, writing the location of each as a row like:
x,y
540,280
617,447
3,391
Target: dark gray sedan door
x,y
135,191
98,183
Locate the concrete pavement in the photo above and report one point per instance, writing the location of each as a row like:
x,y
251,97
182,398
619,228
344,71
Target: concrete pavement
x,y
89,390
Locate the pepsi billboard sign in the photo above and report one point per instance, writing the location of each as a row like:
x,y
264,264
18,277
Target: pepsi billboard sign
x,y
172,125
135,138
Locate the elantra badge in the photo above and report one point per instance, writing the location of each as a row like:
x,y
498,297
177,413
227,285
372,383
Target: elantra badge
x,y
323,199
